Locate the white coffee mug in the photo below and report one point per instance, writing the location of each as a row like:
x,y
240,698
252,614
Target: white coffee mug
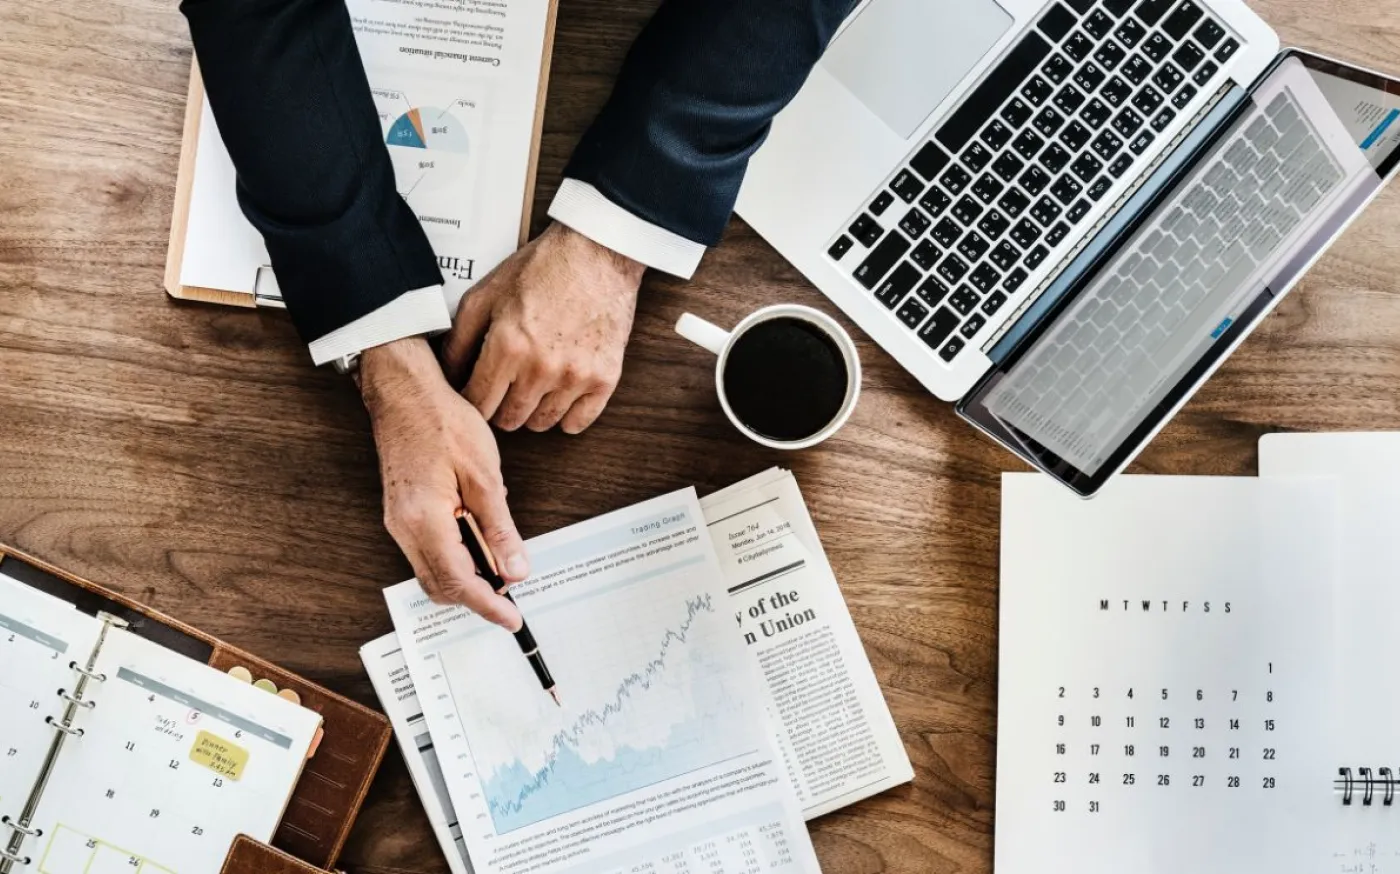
x,y
720,342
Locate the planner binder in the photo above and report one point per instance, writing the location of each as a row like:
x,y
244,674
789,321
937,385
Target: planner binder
x,y
1368,784
75,701
333,784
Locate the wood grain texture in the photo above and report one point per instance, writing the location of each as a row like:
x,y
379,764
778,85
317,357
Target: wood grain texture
x,y
191,457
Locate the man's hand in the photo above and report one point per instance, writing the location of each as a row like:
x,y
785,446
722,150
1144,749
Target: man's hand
x,y
437,454
555,318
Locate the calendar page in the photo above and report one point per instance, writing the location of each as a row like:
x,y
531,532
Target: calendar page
x,y
175,760
1164,701
39,636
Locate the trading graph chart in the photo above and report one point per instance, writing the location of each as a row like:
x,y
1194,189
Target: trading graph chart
x,y
645,700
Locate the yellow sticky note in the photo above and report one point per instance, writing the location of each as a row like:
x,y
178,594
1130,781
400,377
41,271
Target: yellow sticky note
x,y
218,755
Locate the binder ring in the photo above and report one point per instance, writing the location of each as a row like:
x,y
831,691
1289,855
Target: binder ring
x,y
91,675
1346,785
14,826
1389,780
66,729
1370,786
76,701
11,857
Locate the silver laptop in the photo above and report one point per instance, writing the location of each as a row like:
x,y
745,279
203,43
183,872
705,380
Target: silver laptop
x,y
1065,215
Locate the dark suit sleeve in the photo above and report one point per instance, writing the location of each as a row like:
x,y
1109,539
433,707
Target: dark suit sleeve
x,y
289,93
696,97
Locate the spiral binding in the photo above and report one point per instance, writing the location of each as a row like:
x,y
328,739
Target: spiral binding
x,y
1382,781
64,729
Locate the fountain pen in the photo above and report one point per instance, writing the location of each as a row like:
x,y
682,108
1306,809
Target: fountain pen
x,y
486,566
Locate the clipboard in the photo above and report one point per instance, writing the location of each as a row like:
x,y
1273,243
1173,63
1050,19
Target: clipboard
x,y
333,786
263,284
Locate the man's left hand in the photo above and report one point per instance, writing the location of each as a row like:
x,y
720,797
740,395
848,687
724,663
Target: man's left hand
x,y
552,323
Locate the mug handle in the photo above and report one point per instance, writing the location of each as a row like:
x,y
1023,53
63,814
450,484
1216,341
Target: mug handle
x,y
702,333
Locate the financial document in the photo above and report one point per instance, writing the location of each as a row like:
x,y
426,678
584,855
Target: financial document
x,y
660,758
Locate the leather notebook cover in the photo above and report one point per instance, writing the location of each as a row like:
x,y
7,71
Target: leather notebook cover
x,y
333,786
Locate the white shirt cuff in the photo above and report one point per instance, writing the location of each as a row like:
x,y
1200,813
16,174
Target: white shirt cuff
x,y
422,311
585,209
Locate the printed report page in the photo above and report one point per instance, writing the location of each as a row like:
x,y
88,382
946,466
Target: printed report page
x,y
659,759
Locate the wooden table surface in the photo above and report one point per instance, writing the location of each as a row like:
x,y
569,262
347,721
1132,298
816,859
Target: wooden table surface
x,y
190,456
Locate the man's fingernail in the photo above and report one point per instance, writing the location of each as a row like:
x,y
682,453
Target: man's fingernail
x,y
517,566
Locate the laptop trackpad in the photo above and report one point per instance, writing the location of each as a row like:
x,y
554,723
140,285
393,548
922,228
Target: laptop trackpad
x,y
901,58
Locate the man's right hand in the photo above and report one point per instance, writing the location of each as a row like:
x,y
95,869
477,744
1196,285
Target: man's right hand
x,y
436,455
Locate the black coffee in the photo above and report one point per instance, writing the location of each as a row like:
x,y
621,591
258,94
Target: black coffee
x,y
785,379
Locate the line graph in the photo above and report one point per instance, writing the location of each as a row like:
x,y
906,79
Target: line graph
x,y
653,702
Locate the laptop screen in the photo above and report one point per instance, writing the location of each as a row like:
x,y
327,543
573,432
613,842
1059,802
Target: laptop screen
x,y
1184,281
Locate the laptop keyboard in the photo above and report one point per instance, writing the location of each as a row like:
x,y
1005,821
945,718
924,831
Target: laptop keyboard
x,y
1084,384
1010,176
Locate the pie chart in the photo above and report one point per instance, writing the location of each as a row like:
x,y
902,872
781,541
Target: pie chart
x,y
427,127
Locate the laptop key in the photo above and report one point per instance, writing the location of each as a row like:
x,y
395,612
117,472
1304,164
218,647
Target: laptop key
x,y
952,269
1116,92
1163,119
1207,72
932,291
1068,100
947,232
954,180
1054,158
1057,234
1136,70
899,284
1184,96
973,324
839,248
1066,189
973,247
988,187
1005,255
1227,50
1096,113
914,223
1028,144
1034,180
1156,47
1106,145
993,225
951,349
1057,23
1007,166
1037,91
1086,166
926,254
1057,69
1141,142
964,300
1025,233
1036,256
976,156
1209,33
1076,213
1017,112
1014,280
1100,188
967,210
1127,123
866,230
881,203
996,135
907,186
1167,78
1130,33
1098,24
929,161
1013,203
1076,136
1090,77
1110,55
938,328
912,313
1151,11
984,278
993,303
1180,22
882,259
1000,84
1188,56
1148,100
1078,47
1120,166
